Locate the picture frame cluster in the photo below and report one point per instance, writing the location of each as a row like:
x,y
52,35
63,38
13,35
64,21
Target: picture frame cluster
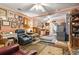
x,y
10,18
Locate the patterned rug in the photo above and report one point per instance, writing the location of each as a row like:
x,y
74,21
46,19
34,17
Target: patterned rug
x,y
50,50
38,47
43,48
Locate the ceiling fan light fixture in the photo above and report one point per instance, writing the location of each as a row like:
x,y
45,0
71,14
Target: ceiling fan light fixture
x,y
38,7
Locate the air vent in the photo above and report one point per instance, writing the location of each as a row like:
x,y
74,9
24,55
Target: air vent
x,y
19,9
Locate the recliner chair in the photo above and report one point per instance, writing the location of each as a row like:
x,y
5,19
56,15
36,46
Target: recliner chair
x,y
22,37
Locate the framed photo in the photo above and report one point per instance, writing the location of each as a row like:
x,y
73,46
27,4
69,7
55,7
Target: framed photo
x,y
0,24
10,19
5,23
13,24
3,14
10,14
16,16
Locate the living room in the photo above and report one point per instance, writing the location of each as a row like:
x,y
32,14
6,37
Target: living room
x,y
39,29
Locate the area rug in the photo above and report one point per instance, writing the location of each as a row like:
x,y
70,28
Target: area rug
x,y
38,47
43,49
50,50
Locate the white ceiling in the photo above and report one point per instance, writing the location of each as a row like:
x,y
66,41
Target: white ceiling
x,y
25,7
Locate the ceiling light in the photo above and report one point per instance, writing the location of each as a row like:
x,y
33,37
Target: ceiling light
x,y
38,7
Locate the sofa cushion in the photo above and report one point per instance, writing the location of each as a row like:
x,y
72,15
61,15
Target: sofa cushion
x,y
9,49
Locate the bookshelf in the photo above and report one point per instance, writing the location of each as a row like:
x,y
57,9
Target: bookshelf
x,y
74,33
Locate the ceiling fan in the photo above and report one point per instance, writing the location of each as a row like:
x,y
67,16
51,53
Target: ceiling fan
x,y
39,7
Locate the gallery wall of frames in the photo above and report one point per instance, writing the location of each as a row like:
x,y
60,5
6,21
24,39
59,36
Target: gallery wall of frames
x,y
9,20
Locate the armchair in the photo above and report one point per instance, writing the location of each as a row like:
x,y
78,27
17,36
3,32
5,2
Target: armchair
x,y
22,37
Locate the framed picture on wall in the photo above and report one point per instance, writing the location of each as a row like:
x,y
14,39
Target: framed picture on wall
x,y
0,24
10,14
13,24
10,19
3,14
5,23
16,16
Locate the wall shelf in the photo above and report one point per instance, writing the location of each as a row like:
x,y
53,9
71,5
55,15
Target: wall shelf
x,y
73,33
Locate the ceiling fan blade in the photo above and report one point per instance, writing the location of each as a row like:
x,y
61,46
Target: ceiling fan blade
x,y
28,7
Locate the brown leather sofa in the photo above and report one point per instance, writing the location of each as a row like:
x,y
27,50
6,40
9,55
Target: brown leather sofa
x,y
14,50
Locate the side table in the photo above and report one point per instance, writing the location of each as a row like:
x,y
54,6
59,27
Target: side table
x,y
9,42
6,42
